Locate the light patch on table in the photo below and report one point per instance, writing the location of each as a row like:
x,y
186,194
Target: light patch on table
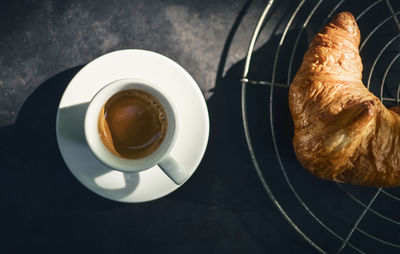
x,y
190,32
109,41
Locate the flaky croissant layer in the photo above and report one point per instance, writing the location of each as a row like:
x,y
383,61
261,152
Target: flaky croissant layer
x,y
342,132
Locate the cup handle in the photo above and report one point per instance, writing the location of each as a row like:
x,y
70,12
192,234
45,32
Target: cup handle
x,y
173,170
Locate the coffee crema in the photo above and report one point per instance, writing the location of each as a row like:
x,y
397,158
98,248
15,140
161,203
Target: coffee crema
x,y
132,124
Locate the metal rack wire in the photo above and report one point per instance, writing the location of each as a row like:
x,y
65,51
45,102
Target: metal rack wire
x,y
381,74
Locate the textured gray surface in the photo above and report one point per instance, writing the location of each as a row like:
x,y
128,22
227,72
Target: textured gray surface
x,y
39,39
221,209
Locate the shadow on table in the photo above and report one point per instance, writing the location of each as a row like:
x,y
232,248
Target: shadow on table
x,y
226,179
35,177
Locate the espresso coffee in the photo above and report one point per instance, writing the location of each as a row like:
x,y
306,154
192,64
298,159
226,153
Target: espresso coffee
x,y
132,124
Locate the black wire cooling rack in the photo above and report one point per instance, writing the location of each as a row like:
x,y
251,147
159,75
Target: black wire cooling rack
x,y
332,217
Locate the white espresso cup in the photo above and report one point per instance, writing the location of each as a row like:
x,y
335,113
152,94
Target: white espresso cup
x,y
161,156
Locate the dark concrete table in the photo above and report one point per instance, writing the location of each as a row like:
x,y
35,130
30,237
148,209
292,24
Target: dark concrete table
x,y
44,209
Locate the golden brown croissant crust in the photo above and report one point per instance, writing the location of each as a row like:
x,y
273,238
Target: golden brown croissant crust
x,y
342,132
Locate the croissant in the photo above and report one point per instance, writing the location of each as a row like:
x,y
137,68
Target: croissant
x,y
342,132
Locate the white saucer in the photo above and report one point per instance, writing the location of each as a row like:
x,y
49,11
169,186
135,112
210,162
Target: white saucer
x,y
180,86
